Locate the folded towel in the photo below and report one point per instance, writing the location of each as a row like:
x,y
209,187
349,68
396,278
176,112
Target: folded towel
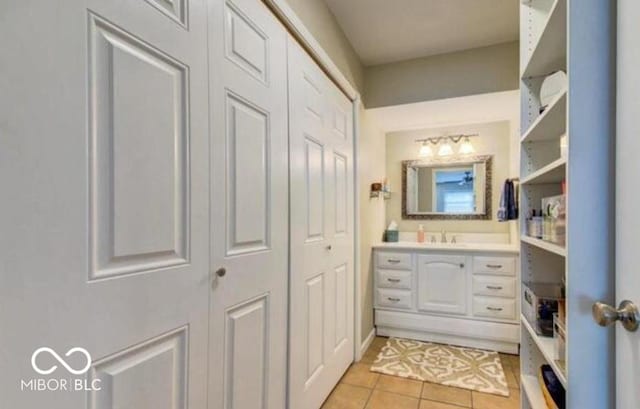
x,y
508,209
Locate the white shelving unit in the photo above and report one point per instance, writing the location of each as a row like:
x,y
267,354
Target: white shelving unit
x,y
543,169
575,36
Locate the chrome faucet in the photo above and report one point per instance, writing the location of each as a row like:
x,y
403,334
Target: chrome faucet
x,y
443,236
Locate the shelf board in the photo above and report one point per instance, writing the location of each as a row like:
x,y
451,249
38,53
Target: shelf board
x,y
546,346
550,52
555,172
531,388
551,124
545,245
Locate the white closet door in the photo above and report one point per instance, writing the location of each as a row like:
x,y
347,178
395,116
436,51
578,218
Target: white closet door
x,y
249,207
322,274
104,175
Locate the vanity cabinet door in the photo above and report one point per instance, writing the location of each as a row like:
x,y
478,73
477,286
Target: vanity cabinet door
x,y
442,284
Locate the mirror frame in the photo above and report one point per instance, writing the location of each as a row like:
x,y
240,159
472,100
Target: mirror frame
x,y
487,215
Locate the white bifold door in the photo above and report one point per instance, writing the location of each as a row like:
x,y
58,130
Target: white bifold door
x,y
104,222
249,207
321,338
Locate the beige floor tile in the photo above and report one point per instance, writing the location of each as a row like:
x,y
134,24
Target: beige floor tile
x,y
386,400
399,385
360,375
510,360
512,381
347,397
369,357
488,401
430,404
379,342
446,394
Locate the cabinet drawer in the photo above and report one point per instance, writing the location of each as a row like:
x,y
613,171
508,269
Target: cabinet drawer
x,y
494,286
394,298
490,307
400,261
494,265
394,279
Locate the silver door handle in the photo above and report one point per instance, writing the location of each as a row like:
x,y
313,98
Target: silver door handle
x,y
393,280
497,309
494,287
627,314
393,299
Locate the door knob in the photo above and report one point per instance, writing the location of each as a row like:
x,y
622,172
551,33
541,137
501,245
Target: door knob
x,y
221,272
329,247
627,314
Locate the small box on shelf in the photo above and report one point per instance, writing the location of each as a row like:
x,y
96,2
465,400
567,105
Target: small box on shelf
x,y
539,303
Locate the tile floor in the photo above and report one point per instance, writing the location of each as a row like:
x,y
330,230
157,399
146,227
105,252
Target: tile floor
x,y
361,389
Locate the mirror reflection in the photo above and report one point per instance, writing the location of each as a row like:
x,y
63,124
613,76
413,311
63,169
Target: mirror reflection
x,y
458,188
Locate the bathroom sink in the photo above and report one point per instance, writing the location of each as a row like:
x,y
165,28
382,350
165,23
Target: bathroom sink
x,y
447,245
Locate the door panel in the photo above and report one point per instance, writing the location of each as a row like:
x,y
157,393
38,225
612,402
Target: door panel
x,y
437,276
247,376
249,207
322,278
105,238
627,198
138,158
248,160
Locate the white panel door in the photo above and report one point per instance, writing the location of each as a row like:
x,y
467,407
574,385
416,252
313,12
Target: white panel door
x,y
249,207
104,175
322,275
627,198
442,284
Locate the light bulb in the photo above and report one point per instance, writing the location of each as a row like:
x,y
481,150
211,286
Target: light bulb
x,y
445,150
425,150
466,148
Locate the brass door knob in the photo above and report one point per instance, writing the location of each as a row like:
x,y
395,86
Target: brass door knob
x,y
627,314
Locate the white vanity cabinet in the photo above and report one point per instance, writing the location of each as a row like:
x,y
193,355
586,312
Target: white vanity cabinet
x,y
442,283
457,294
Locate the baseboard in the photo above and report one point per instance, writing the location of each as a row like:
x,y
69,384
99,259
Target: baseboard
x,y
367,342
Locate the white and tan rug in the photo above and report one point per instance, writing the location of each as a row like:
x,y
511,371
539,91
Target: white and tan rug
x,y
467,368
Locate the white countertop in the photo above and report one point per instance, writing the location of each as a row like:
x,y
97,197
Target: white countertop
x,y
408,245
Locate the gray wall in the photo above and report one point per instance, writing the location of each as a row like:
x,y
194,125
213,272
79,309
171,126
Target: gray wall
x,y
324,27
477,71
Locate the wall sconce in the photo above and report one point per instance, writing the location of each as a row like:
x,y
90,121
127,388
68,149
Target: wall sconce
x,y
445,149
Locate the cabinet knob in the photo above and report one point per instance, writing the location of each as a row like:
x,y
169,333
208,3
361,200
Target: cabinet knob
x,y
221,272
461,265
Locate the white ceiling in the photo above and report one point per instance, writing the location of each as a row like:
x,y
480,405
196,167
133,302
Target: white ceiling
x,y
383,31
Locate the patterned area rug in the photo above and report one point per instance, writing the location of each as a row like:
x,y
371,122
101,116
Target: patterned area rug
x,y
467,368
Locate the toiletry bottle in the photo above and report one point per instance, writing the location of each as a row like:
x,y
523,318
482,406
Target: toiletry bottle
x,y
420,234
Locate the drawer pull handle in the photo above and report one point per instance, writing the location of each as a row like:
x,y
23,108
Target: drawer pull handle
x,y
393,280
494,266
393,299
393,260
494,287
496,309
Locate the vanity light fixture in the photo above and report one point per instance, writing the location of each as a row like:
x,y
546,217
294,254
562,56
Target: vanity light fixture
x,y
425,150
445,149
466,148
